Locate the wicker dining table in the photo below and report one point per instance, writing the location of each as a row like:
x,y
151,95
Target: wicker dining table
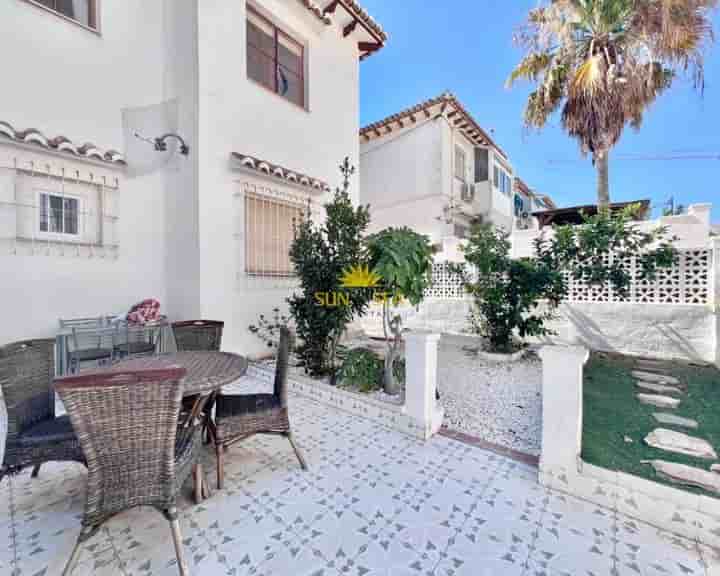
x,y
206,371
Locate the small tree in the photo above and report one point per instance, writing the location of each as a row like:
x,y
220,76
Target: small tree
x,y
403,260
507,292
320,254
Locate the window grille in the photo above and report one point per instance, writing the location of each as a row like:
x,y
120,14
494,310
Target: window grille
x,y
53,210
266,222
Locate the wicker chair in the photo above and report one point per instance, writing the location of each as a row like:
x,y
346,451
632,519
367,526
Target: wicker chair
x,y
239,416
34,434
137,453
205,336
198,335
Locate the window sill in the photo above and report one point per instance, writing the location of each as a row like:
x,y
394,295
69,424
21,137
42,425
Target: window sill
x,y
278,96
95,31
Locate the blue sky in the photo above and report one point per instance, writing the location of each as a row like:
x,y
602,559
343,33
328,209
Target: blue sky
x,y
465,46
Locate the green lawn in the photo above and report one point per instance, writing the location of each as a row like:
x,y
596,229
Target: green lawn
x,y
611,412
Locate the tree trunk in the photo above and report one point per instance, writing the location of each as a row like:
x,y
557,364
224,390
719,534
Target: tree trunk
x,y
603,178
391,328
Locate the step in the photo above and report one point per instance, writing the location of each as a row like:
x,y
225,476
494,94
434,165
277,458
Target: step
x,y
657,400
680,443
672,420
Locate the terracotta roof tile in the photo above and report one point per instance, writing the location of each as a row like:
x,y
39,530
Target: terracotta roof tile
x,y
268,168
474,131
59,144
355,10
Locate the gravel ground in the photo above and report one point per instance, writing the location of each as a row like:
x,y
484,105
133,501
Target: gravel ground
x,y
497,402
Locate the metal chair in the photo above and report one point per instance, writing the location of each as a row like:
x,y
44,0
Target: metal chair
x,y
34,434
198,335
240,416
137,454
93,340
137,340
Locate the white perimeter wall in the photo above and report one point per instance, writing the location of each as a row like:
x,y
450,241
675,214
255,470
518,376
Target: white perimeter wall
x,y
62,79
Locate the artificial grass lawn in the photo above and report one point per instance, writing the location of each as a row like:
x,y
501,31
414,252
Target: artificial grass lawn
x,y
611,412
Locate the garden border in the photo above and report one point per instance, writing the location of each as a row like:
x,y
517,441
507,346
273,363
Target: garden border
x,y
694,516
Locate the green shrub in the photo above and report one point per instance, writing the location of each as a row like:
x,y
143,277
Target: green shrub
x,y
361,369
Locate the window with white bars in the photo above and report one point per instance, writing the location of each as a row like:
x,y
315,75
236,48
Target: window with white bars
x,y
46,209
270,220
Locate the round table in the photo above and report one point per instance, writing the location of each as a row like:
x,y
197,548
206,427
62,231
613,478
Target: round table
x,y
206,371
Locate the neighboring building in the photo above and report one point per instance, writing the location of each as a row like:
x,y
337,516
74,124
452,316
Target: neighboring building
x,y
526,202
433,168
268,100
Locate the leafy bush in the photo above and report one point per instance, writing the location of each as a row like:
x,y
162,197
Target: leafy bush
x,y
507,291
361,369
320,254
403,260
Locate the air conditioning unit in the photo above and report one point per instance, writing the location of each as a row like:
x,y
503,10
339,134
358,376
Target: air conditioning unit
x,y
468,192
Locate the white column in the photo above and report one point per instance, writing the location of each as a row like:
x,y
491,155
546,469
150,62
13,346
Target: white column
x,y
421,382
714,281
562,414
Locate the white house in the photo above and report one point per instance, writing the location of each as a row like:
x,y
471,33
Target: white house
x,y
433,168
266,93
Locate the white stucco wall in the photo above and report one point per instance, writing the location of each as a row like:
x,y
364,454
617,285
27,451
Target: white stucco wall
x,y
62,79
236,114
180,236
654,330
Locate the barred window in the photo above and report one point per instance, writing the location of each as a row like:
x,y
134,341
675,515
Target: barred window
x,y
269,230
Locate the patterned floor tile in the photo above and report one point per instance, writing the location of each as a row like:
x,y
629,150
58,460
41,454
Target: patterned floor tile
x,y
374,502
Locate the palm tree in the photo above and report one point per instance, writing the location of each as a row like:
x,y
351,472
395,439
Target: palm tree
x,y
605,61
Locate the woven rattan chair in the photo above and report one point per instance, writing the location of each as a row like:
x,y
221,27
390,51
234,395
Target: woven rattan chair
x,y
137,453
34,434
239,416
203,336
198,335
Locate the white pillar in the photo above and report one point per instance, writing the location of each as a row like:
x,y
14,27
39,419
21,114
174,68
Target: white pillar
x,y
421,382
562,413
714,281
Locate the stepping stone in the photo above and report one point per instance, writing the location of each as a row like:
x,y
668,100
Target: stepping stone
x,y
656,378
659,401
686,475
680,443
651,366
673,420
715,468
657,388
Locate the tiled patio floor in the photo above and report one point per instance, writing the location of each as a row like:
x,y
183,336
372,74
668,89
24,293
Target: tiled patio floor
x,y
374,502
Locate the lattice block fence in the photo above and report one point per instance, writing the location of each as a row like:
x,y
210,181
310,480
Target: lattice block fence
x,y
446,285
689,281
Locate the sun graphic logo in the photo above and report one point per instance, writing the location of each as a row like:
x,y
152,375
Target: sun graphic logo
x,y
360,277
